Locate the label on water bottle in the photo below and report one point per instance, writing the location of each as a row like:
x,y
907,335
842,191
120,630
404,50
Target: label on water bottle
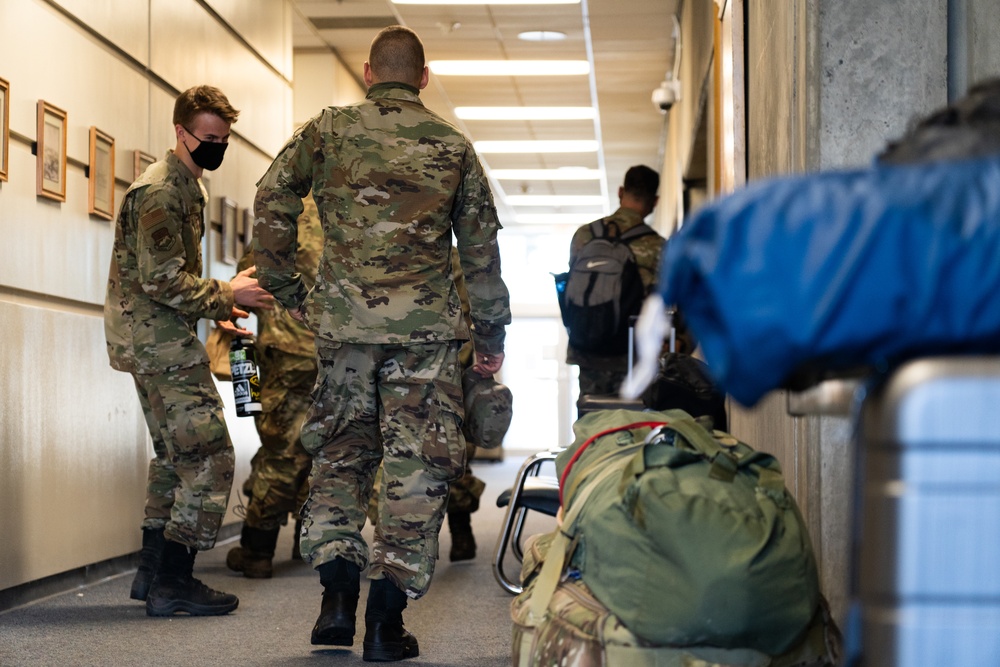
x,y
246,380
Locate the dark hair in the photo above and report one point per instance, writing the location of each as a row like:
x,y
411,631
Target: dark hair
x,y
642,183
397,54
202,99
967,128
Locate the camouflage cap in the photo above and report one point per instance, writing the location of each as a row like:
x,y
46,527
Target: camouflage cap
x,y
488,409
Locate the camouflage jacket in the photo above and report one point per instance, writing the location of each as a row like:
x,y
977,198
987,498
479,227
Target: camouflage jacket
x,y
276,328
155,290
393,181
647,251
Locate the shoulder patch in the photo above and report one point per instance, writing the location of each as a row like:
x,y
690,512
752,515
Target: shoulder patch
x,y
154,217
162,240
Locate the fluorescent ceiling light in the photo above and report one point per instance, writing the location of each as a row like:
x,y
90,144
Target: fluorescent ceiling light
x,y
509,67
526,113
563,174
555,200
577,146
486,2
541,36
553,218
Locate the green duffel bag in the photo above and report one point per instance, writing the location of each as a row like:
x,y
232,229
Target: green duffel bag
x,y
687,535
579,631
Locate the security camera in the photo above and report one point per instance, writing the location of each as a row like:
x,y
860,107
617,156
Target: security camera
x,y
667,94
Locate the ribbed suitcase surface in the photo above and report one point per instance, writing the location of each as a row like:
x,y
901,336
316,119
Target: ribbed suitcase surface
x,y
928,560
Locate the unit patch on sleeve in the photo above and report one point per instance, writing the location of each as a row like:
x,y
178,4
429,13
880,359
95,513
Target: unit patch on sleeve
x,y
163,240
154,217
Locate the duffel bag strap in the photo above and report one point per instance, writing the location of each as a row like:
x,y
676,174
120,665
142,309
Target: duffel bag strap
x,y
589,441
696,435
598,464
552,568
726,462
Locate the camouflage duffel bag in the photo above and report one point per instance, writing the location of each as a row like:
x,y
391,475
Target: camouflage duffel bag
x,y
576,630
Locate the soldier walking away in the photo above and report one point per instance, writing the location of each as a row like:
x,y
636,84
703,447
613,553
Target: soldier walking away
x,y
279,470
393,182
155,297
601,373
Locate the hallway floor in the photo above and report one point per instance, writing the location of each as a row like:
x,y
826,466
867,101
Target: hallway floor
x,y
464,621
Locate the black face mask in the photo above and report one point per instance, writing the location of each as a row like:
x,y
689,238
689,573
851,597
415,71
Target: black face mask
x,y
208,155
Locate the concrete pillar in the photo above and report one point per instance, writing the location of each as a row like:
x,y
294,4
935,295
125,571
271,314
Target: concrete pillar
x,y
829,82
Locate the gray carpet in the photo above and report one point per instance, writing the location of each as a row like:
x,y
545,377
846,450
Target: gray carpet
x,y
464,621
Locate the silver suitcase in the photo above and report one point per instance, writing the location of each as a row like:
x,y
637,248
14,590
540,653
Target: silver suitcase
x,y
927,560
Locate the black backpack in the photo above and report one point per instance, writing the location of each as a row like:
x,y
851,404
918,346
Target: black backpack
x,y
602,290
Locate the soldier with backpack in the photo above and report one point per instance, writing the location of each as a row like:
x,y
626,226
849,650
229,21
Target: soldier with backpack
x,y
613,267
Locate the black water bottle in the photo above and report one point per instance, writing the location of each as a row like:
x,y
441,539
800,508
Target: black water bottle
x,y
246,378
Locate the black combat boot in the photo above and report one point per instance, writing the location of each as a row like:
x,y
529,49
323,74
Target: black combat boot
x,y
386,640
176,590
341,581
149,562
463,542
254,557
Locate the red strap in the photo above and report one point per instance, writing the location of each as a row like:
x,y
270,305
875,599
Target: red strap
x,y
576,454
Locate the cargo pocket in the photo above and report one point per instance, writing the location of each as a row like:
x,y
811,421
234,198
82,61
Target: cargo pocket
x,y
444,451
215,503
311,434
196,425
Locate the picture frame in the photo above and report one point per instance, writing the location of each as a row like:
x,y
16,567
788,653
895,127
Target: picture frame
x,y
101,196
4,127
50,152
229,234
140,161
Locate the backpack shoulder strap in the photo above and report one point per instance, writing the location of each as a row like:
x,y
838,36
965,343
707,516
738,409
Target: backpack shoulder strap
x,y
636,232
597,229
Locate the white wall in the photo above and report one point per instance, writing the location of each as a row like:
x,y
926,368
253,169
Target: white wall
x,y
73,443
330,83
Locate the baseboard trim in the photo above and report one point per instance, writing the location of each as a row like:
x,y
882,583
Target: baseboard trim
x,y
81,577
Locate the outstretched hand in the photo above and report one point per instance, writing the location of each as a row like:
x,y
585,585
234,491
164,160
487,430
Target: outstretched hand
x,y
230,327
247,292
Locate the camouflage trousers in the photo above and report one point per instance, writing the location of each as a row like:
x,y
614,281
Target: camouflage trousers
x,y
600,382
192,473
280,468
401,406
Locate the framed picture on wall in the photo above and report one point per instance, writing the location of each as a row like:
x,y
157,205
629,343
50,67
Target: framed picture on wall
x,y
140,160
101,200
4,127
229,240
51,152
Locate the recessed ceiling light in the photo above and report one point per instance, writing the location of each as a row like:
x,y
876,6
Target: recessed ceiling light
x,y
568,146
486,2
553,218
555,200
541,36
561,174
509,67
526,113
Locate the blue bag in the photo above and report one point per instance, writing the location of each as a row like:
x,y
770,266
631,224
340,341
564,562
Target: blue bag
x,y
792,277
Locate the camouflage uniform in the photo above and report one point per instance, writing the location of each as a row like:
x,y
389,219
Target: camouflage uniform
x,y
287,359
604,375
155,297
393,181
